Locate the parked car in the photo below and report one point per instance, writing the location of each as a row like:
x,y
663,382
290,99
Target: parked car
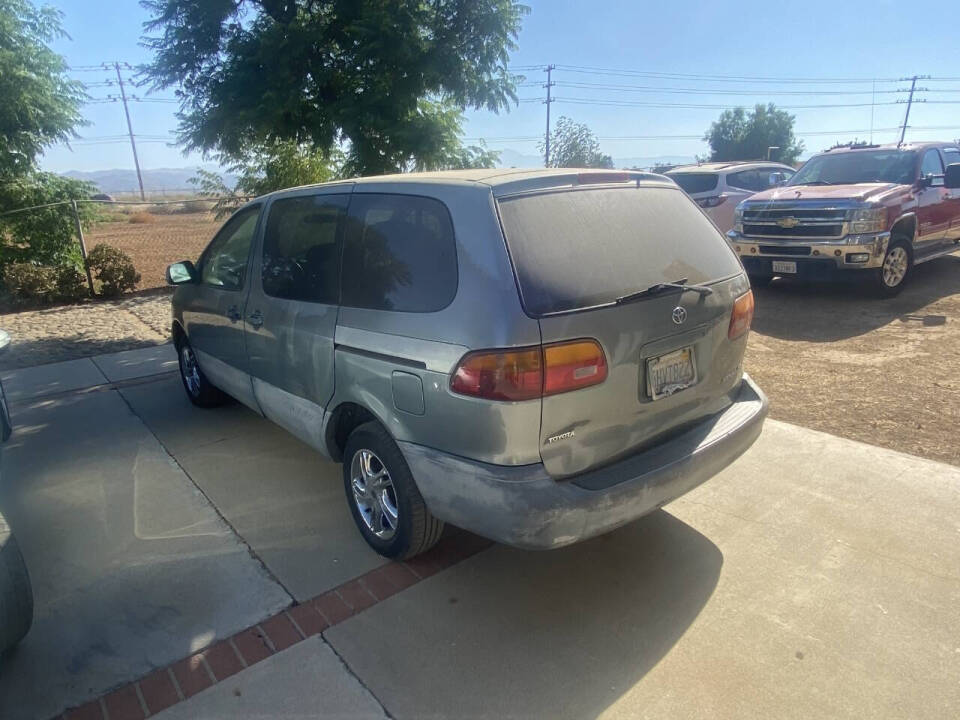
x,y
874,210
16,594
534,356
719,187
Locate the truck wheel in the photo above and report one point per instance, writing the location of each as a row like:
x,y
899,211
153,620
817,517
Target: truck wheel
x,y
897,264
200,390
384,500
16,595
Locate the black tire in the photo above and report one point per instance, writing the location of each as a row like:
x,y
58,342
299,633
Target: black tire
x,y
759,280
414,529
889,279
16,594
200,391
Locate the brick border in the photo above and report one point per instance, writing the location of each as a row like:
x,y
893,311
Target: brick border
x,y
167,686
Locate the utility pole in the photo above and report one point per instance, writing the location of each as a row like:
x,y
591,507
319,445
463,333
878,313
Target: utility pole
x,y
133,144
913,88
546,154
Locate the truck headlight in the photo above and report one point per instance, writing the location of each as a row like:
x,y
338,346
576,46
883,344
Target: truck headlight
x,y
738,220
868,220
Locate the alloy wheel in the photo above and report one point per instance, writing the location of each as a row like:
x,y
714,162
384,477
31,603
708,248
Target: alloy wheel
x,y
374,494
190,370
895,266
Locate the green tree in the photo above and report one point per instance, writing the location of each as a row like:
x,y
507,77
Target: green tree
x,y
742,135
39,104
377,78
268,167
573,144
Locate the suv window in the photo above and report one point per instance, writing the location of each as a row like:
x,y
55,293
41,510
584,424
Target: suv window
x,y
579,248
399,254
224,262
951,156
695,182
301,248
755,180
932,164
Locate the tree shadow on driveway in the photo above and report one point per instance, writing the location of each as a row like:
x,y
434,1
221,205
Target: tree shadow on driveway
x,y
826,312
523,634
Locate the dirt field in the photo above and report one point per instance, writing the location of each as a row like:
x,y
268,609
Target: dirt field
x,y
886,372
154,245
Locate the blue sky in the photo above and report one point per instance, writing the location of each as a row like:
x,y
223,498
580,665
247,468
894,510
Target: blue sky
x,y
850,40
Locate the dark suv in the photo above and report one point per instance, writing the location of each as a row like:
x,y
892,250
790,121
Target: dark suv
x,y
865,208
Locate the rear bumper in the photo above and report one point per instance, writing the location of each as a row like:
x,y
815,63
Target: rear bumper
x,y
523,506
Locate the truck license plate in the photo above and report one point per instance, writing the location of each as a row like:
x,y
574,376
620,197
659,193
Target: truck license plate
x,y
784,266
671,373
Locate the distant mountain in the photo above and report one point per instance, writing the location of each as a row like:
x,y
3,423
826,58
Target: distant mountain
x,y
154,180
511,158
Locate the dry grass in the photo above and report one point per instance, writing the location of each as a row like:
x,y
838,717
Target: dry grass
x,y
885,372
153,246
141,218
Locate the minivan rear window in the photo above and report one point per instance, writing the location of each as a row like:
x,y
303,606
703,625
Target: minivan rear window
x,y
580,248
399,254
694,183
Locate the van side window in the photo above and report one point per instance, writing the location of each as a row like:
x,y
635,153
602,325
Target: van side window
x,y
399,254
224,262
301,248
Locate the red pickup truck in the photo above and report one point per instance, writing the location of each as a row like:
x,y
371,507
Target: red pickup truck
x,y
855,210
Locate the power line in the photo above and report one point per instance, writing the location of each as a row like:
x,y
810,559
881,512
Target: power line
x,y
712,91
633,103
588,70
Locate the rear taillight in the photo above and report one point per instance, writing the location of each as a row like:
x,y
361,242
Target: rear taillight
x,y
711,202
528,373
742,315
573,365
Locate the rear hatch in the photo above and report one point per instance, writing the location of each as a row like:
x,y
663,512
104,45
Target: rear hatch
x,y
575,251
696,184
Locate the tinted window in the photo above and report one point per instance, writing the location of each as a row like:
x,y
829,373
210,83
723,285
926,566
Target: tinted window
x,y
695,182
581,248
224,262
398,254
301,248
951,156
932,164
858,166
755,180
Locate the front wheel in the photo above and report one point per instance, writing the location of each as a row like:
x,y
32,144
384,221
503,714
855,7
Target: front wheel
x,y
384,500
897,264
201,391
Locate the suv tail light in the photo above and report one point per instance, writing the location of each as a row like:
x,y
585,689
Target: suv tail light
x,y
528,373
710,202
742,315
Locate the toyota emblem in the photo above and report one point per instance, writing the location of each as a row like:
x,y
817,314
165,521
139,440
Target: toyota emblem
x,y
679,315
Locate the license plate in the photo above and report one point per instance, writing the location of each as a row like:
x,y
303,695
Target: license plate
x,y
671,373
784,266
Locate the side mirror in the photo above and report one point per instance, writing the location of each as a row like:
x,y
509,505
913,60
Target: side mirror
x,y
776,179
181,272
951,179
924,182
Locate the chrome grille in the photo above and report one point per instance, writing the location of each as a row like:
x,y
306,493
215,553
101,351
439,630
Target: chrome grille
x,y
794,222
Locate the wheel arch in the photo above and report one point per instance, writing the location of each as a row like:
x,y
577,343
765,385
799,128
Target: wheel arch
x,y
177,332
906,226
343,420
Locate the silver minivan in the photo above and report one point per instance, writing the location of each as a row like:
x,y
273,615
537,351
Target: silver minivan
x,y
537,356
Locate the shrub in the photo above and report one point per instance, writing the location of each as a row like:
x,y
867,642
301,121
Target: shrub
x,y
196,206
141,218
27,283
114,269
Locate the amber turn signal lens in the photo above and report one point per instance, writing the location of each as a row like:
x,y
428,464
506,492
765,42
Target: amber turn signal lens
x,y
742,315
573,365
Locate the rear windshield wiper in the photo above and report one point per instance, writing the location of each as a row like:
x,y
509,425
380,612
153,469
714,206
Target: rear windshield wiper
x,y
661,287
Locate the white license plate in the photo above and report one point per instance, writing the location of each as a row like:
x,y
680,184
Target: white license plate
x,y
671,373
784,266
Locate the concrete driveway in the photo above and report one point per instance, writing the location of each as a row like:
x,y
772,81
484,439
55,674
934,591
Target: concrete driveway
x,y
192,563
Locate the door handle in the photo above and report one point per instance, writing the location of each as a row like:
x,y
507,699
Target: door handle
x,y
255,319
233,312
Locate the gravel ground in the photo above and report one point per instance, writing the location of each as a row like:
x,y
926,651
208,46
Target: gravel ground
x,y
831,357
91,328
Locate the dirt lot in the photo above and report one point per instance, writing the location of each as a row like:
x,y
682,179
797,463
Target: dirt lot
x,y
886,372
154,245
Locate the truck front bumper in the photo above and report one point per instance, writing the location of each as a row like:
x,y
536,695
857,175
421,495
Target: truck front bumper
x,y
524,507
853,252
